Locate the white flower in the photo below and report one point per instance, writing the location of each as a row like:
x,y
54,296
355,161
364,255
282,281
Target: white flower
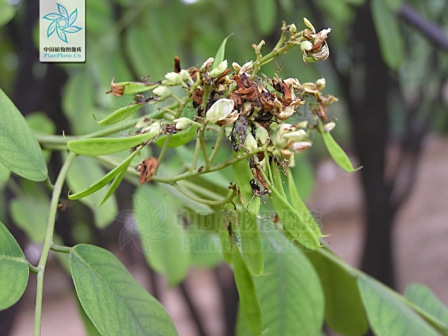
x,y
219,110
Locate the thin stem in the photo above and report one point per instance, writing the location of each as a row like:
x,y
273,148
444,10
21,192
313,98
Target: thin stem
x,y
60,248
33,269
49,240
225,200
14,187
219,166
218,142
194,162
203,148
62,139
200,190
163,151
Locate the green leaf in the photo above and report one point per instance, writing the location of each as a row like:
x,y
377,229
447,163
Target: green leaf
x,y
393,5
265,15
179,139
337,9
355,2
162,237
115,184
19,150
40,123
389,36
386,312
220,54
7,12
301,208
120,114
144,57
249,304
425,299
227,226
31,215
290,294
243,175
344,312
88,325
114,173
4,175
132,88
303,174
336,152
14,269
79,98
293,222
85,171
104,146
114,301
251,246
205,249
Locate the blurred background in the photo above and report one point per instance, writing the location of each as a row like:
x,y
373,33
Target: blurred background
x,y
389,67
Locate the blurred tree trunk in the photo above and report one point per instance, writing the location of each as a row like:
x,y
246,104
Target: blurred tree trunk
x,y
370,126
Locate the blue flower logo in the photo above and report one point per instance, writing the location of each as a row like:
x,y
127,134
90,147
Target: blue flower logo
x,y
62,23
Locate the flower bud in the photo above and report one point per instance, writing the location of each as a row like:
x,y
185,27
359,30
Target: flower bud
x,y
302,124
292,29
261,134
309,25
296,135
236,66
298,147
154,128
305,46
216,72
329,126
182,123
320,84
185,75
172,79
219,110
162,92
250,143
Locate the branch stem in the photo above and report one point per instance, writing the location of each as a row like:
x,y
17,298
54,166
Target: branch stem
x,y
49,240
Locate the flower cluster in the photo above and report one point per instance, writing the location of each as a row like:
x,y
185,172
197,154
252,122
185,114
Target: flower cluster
x,y
254,110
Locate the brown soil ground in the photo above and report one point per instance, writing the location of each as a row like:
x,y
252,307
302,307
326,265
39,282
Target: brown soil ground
x,y
421,248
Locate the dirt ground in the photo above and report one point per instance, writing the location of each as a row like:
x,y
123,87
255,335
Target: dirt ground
x,y
420,234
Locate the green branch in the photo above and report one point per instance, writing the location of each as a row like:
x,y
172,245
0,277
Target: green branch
x,y
223,201
49,240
